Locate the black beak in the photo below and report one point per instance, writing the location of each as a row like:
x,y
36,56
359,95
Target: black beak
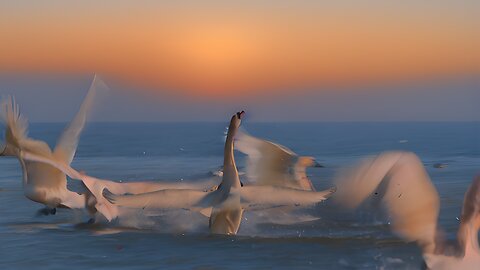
x,y
240,114
318,165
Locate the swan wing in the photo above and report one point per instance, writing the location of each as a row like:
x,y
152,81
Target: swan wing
x,y
406,191
49,160
68,141
95,186
16,141
261,197
16,129
268,163
163,199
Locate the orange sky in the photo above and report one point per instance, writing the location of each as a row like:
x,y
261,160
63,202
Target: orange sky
x,y
213,49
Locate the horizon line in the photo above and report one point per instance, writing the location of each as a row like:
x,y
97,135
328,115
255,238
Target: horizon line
x,y
260,122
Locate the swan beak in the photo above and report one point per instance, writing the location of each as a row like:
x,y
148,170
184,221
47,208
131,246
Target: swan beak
x,y
318,165
240,114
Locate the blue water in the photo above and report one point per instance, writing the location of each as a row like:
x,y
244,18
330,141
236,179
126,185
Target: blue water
x,y
190,151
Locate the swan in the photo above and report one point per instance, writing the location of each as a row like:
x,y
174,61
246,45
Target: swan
x,y
44,171
273,164
95,202
43,183
226,203
401,182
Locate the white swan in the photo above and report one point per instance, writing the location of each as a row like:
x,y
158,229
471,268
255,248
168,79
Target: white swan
x,y
95,201
228,201
43,183
401,182
222,202
273,164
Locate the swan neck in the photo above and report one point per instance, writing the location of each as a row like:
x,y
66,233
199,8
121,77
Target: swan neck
x,y
24,171
230,173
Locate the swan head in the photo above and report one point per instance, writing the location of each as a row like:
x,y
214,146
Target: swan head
x,y
236,120
309,162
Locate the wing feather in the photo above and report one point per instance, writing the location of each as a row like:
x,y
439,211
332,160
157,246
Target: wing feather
x,y
162,199
266,196
270,163
68,141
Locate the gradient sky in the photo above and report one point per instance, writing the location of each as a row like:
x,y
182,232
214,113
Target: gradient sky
x,y
281,60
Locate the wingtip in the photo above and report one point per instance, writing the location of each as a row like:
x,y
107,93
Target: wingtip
x,y
332,190
318,165
99,83
107,194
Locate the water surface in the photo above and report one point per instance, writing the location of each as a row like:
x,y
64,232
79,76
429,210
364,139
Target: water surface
x,y
191,151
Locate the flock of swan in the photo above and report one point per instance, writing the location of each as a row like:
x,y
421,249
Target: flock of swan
x,y
277,177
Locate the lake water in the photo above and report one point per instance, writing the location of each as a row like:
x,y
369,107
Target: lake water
x,y
191,151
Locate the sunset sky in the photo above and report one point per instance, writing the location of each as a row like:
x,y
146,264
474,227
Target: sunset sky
x,y
198,60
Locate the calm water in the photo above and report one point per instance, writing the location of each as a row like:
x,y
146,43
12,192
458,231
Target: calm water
x,y
190,151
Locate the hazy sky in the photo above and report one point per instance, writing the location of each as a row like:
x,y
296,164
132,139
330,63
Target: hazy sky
x,y
57,98
281,60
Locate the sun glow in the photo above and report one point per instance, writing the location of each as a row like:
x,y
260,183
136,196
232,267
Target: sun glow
x,y
213,51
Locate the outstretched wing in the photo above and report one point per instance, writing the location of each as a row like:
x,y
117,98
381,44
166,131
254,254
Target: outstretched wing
x,y
110,211
261,197
268,163
163,199
406,191
68,141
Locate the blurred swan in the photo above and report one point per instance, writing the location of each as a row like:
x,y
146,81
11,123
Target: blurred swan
x,y
43,183
401,182
272,164
227,202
